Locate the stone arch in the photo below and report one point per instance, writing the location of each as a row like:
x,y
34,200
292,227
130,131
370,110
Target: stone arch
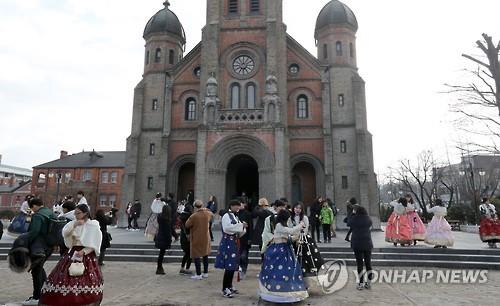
x,y
174,169
318,168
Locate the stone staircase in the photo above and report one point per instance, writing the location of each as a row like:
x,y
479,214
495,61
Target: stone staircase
x,y
397,257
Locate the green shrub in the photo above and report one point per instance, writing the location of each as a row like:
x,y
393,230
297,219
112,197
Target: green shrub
x,y
462,213
7,214
385,212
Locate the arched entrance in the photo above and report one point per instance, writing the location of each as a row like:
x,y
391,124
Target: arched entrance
x,y
303,183
185,181
242,177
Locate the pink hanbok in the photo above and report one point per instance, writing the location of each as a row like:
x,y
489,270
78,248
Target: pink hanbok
x,y
398,228
439,230
416,224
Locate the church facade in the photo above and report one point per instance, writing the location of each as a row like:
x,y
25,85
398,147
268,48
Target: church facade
x,y
251,110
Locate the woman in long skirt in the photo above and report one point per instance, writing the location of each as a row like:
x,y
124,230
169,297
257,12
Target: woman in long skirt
x,y
280,279
398,228
416,224
489,229
67,284
439,230
152,223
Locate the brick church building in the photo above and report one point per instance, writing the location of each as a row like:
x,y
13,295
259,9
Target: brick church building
x,y
251,110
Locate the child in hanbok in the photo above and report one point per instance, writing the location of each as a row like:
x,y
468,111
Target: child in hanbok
x,y
439,230
398,228
280,279
416,224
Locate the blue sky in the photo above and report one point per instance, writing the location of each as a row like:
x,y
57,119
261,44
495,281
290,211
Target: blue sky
x,y
69,67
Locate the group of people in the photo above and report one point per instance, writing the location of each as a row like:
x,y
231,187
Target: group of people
x,y
405,227
81,242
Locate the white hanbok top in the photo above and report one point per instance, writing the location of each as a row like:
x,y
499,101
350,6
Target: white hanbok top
x,y
231,228
438,211
282,233
88,235
296,220
399,209
157,206
488,210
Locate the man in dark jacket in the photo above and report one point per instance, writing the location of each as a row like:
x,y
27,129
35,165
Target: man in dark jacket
x,y
173,214
361,243
315,212
38,230
245,241
136,214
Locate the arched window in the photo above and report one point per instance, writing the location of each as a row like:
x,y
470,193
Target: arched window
x,y
325,51
190,111
338,48
340,99
251,96
302,107
171,57
351,49
146,59
232,7
235,96
254,6
157,55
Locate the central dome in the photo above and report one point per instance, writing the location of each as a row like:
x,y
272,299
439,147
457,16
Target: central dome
x,y
336,13
165,21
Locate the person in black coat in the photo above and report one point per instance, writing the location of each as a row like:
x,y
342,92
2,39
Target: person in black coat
x,y
315,212
136,213
163,239
104,221
246,240
361,243
260,212
185,245
173,210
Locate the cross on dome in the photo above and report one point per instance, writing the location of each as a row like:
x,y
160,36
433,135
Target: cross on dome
x,y
166,3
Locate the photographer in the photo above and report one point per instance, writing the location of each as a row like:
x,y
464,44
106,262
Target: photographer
x,y
361,243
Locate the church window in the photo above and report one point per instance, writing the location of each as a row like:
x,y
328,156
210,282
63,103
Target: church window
x,y
341,101
154,106
243,65
343,146
157,55
294,69
251,96
197,72
325,51
302,107
351,49
150,183
171,57
254,6
338,48
190,109
146,59
152,149
233,7
235,96
345,184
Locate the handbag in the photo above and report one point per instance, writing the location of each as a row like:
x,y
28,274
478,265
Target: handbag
x,y
109,236
76,269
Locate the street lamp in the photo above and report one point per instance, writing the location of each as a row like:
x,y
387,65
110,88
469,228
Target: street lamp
x,y
58,178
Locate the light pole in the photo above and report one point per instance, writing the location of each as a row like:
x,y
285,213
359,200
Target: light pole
x,y
58,180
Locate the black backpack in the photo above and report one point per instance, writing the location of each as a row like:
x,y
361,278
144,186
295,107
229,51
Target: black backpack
x,y
54,235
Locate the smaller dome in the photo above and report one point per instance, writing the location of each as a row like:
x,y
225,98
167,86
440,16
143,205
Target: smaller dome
x,y
165,21
336,13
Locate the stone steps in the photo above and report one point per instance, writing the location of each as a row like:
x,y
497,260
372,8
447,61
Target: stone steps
x,y
419,256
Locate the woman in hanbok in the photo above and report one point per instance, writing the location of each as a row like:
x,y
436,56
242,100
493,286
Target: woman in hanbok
x,y
489,229
280,279
306,249
76,279
228,256
398,228
416,224
20,223
439,230
152,223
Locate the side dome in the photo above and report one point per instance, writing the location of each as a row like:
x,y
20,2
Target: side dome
x,y
336,13
165,21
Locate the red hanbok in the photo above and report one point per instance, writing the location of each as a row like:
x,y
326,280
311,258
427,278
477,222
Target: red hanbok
x,y
398,229
489,230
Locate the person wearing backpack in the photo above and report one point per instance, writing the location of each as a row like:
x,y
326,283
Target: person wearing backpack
x,y
37,234
77,279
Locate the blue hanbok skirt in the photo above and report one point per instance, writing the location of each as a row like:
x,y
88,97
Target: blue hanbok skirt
x,y
228,256
19,225
281,280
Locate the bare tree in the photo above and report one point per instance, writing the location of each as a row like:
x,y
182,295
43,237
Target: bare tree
x,y
479,100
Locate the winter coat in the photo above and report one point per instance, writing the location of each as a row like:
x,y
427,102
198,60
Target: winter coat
x,y
315,212
361,238
326,215
104,221
245,216
198,225
163,239
136,209
261,214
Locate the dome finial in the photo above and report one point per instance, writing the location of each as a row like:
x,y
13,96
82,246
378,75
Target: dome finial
x,y
166,3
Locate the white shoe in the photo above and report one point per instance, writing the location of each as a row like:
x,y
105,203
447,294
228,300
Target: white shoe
x,y
204,275
243,275
197,277
30,301
227,293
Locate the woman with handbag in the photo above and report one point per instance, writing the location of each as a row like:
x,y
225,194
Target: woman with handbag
x,y
104,221
77,279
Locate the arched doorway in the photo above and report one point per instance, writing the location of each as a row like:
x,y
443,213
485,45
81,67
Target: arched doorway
x,y
303,183
242,177
185,182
